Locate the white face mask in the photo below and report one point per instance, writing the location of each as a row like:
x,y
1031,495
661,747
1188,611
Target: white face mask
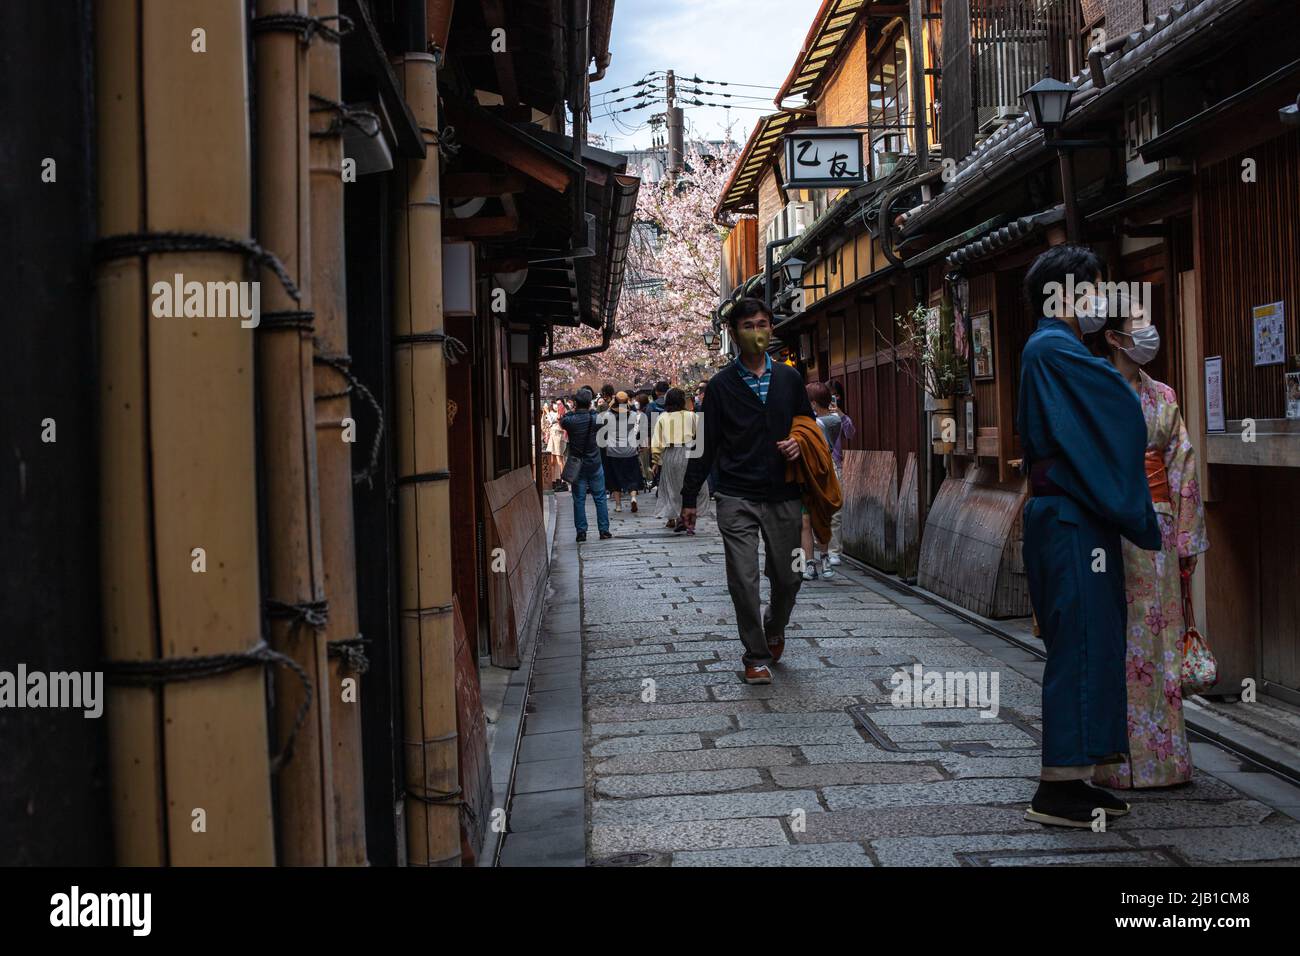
x,y
1146,343
1090,313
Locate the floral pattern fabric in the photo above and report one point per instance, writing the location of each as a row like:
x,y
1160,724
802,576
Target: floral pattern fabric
x,y
1158,752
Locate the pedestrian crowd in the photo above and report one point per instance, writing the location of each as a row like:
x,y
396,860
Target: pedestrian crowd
x,y
1112,526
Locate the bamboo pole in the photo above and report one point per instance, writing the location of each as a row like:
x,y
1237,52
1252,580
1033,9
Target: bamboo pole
x,y
333,454
305,798
189,760
425,593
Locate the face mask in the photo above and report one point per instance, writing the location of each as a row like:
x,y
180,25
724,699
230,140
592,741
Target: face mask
x,y
1146,343
1090,313
753,341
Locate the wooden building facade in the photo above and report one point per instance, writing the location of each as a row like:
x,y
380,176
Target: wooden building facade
x,y
1192,193
1187,186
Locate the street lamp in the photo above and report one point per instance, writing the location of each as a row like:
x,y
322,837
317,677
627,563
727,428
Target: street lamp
x,y
1048,102
793,268
709,337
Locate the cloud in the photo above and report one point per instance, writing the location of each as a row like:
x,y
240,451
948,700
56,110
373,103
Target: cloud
x,y
736,41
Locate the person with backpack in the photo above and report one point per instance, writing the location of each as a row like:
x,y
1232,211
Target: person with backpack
x,y
583,469
829,422
620,437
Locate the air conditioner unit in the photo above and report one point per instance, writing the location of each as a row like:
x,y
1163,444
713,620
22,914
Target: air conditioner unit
x,y
793,219
1007,62
798,217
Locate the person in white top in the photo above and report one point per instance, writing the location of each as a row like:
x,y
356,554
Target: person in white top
x,y
620,437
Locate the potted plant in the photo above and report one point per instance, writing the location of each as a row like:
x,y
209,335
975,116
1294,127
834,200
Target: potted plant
x,y
939,368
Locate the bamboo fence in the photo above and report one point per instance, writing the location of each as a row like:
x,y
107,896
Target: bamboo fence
x,y
296,606
425,594
333,454
189,758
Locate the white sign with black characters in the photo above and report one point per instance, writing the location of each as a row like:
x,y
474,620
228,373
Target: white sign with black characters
x,y
823,158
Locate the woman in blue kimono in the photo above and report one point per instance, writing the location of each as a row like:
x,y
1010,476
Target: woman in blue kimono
x,y
1084,438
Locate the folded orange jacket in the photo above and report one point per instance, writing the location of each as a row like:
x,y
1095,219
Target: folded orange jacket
x,y
815,472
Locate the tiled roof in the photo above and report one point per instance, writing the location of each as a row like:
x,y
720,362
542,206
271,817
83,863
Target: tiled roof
x,y
741,191
1007,236
829,28
986,162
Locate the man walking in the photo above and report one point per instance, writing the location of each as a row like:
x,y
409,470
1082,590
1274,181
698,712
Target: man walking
x,y
582,428
749,408
1084,439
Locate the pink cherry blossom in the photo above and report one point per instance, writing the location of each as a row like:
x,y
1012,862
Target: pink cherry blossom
x,y
670,285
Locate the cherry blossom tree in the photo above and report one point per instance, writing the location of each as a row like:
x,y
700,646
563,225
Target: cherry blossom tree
x,y
670,286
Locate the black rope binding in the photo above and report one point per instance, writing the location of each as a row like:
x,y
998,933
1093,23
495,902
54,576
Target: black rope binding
x,y
304,321
453,349
365,120
168,670
351,651
343,365
307,28
315,614
437,797
149,243
444,139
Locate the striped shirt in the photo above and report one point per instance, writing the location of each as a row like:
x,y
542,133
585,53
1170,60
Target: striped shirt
x,y
758,383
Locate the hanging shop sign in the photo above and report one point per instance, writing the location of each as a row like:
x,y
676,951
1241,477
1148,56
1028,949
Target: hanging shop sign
x,y
824,158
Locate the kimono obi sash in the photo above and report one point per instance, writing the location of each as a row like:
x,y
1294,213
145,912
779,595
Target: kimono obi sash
x,y
1158,480
1039,484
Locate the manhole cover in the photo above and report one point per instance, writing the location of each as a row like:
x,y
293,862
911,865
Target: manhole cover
x,y
639,858
861,714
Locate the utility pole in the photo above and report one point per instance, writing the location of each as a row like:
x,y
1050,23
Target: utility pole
x,y
675,127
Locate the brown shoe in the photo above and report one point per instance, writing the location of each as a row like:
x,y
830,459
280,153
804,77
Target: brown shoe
x,y
777,646
757,674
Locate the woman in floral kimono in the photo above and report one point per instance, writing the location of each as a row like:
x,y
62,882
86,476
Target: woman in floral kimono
x,y
1158,751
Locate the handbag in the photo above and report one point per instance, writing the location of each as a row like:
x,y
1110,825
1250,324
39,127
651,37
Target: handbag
x,y
1200,671
573,464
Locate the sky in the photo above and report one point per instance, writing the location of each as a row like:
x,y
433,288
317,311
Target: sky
x,y
733,41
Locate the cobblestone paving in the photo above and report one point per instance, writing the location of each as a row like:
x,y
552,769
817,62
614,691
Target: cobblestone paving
x,y
711,772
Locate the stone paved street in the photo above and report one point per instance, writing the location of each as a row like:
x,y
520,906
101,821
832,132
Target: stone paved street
x,y
713,772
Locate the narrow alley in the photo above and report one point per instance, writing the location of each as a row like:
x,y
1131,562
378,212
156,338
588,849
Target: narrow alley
x,y
643,747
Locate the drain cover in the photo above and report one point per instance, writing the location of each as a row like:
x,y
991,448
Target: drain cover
x,y
861,714
638,858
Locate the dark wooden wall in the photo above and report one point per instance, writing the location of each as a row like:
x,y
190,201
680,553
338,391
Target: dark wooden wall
x,y
369,279
53,763
882,398
1249,255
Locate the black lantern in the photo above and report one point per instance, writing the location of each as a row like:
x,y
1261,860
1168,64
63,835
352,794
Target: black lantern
x,y
1048,101
709,337
793,269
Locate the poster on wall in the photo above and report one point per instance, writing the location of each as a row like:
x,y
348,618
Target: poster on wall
x,y
961,317
1292,384
1270,334
1214,419
970,428
981,338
